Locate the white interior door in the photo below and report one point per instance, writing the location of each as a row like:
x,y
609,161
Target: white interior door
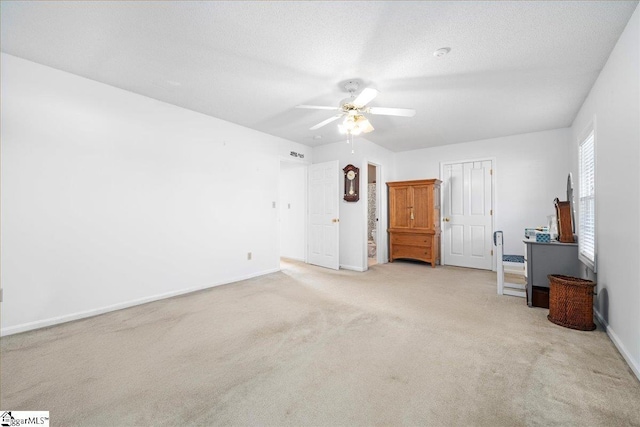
x,y
467,214
324,182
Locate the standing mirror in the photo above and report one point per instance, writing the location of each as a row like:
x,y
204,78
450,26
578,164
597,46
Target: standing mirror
x,y
571,202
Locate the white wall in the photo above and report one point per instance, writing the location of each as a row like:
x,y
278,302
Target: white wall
x,y
530,171
293,210
353,215
614,101
111,199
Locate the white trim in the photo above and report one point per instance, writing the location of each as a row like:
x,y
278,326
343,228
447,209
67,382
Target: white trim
x,y
119,306
494,168
584,135
306,215
635,367
591,126
380,255
364,207
352,268
293,258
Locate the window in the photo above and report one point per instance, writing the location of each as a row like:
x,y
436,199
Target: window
x,y
587,201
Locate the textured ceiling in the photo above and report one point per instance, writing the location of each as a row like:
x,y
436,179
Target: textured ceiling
x,y
514,67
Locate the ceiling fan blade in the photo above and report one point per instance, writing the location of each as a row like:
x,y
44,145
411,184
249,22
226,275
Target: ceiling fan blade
x,y
365,97
326,122
402,112
317,107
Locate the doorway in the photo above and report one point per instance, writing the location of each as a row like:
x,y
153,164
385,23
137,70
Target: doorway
x,y
372,215
292,208
467,213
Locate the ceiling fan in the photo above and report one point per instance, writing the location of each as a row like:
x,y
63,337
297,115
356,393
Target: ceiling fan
x,y
354,108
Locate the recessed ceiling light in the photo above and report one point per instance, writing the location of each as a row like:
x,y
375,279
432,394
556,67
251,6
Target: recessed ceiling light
x,y
441,52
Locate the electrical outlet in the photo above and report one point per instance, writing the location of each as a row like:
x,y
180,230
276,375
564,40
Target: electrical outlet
x,y
273,205
1,294
248,256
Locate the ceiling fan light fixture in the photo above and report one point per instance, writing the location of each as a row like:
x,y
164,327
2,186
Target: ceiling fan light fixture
x,y
352,111
355,125
366,125
349,124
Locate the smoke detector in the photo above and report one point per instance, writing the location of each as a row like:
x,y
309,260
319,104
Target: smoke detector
x,y
441,52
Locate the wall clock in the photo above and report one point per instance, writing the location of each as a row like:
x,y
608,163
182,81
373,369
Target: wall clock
x,y
351,183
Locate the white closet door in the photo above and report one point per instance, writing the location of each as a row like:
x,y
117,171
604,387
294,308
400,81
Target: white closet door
x,y
467,214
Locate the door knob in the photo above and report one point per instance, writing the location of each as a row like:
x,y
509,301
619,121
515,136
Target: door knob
x,y
446,219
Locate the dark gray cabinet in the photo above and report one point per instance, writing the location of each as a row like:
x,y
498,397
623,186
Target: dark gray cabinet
x,y
542,259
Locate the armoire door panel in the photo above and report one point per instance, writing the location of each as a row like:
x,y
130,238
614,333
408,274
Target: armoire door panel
x,y
399,215
421,208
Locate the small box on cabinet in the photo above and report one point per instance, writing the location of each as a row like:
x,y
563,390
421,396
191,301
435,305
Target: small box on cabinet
x,y
543,237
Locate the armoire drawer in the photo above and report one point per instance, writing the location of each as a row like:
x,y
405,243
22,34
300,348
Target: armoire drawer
x,y
413,252
412,239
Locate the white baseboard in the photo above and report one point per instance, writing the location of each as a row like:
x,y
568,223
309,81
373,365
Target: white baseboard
x,y
635,367
293,258
119,306
352,268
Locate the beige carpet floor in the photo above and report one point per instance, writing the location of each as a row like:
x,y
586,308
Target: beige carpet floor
x,y
402,344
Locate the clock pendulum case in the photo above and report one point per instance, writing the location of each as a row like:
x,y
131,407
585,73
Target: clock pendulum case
x,y
351,183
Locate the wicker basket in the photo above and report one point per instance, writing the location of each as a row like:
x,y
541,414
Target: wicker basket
x,y
571,302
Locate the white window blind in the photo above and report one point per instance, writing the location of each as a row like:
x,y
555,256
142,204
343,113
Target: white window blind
x,y
587,201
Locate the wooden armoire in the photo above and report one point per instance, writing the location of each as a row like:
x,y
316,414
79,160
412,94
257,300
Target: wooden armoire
x,y
414,220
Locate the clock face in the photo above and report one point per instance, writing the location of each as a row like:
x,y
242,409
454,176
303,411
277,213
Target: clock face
x,y
351,175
